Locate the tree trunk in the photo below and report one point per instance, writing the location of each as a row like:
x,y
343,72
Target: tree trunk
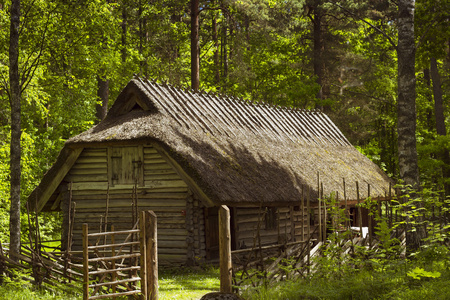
x,y
195,46
225,53
124,31
216,50
143,38
406,112
102,96
15,154
440,119
318,50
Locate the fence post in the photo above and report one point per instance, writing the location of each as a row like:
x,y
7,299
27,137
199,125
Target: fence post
x,y
151,255
143,255
113,262
225,249
85,262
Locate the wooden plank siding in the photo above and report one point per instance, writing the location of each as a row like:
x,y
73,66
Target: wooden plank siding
x,y
288,226
162,191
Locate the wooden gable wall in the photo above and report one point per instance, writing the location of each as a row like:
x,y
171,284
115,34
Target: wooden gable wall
x,y
101,180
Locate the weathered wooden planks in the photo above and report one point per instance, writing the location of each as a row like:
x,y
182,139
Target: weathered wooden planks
x,y
162,191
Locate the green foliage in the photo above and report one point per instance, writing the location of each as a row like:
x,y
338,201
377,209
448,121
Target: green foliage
x,y
419,273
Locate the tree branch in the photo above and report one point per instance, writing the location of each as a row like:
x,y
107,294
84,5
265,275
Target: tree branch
x,y
368,23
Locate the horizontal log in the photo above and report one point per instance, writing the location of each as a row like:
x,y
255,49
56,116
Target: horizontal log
x,y
116,257
149,150
155,172
120,294
148,184
127,190
164,251
123,221
113,245
161,166
113,233
91,178
93,151
88,172
253,225
80,166
103,271
164,258
171,232
84,204
152,161
150,156
92,159
112,215
172,244
162,177
157,210
109,283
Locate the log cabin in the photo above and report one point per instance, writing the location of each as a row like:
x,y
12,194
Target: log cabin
x,y
183,154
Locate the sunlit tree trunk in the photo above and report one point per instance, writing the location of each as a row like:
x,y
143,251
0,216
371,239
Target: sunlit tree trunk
x,y
406,112
15,154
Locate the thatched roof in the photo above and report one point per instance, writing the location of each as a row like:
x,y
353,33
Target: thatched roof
x,y
238,153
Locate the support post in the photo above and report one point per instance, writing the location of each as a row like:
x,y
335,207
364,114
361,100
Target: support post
x,y
142,237
85,262
225,249
151,253
359,210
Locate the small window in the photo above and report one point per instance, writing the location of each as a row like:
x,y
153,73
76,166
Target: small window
x,y
125,165
270,218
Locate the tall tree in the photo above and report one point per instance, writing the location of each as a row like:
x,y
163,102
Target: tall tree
x,y
406,110
440,119
195,46
15,154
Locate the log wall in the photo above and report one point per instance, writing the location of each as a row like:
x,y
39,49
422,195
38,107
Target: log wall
x,y
179,216
290,225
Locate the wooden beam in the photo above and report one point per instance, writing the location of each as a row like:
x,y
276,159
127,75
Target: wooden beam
x,y
142,241
225,250
51,187
151,255
190,182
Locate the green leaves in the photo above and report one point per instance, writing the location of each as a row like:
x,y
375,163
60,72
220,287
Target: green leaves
x,y
419,273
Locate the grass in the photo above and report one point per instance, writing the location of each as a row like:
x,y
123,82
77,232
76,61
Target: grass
x,y
187,284
179,284
386,281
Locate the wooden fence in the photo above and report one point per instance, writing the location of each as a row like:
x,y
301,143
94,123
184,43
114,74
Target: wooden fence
x,y
120,269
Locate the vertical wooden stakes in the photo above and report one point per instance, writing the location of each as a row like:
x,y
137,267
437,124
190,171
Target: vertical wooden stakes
x,y
85,262
225,249
113,262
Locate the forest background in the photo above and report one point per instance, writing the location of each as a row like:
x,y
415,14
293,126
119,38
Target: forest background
x,y
74,57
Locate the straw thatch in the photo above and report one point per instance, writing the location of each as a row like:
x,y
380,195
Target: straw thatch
x,y
238,153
